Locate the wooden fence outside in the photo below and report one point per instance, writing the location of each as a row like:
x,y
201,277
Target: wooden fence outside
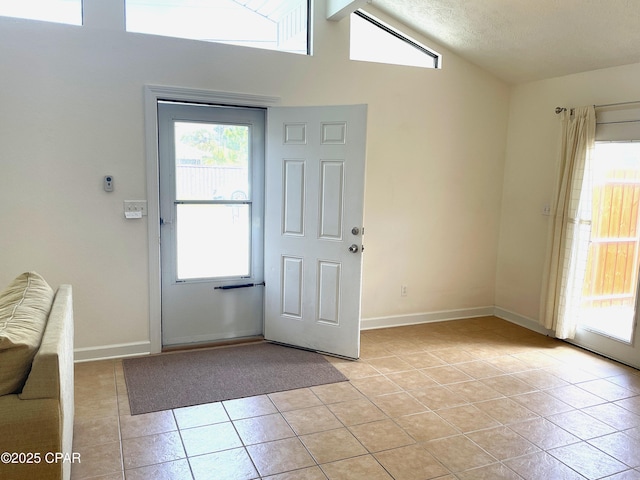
x,y
613,261
206,182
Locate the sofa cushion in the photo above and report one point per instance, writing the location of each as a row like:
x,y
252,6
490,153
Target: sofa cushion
x,y
24,308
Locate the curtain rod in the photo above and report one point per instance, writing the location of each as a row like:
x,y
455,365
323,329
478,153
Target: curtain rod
x,y
563,109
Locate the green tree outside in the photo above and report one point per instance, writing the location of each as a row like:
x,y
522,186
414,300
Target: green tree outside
x,y
221,144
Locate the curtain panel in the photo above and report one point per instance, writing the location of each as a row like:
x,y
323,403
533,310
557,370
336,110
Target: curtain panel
x,y
570,232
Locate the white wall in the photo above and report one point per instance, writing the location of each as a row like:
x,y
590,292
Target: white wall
x,y
71,111
530,174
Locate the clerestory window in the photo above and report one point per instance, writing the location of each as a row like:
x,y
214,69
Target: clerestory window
x,y
373,40
270,24
58,11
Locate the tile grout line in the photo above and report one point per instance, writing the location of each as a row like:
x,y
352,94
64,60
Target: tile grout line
x,y
598,370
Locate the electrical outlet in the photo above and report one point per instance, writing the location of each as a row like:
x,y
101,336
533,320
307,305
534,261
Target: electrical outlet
x,y
134,206
403,290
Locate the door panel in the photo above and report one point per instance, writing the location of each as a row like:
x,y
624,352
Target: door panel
x,y
292,269
331,198
211,197
314,199
329,284
294,197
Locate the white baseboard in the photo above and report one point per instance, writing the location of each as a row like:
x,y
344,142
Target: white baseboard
x,y
521,320
427,317
142,348
106,352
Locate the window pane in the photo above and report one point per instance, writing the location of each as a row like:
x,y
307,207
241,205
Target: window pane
x,y
60,11
375,43
611,280
212,161
271,24
213,241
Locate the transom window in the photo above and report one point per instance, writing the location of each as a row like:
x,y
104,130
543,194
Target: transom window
x,y
59,11
372,40
271,24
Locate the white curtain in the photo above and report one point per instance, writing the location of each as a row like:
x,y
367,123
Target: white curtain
x,y
570,233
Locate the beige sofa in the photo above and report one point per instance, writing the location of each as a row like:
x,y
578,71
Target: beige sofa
x,y
36,421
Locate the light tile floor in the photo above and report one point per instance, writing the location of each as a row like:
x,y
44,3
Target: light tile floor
x,y
467,399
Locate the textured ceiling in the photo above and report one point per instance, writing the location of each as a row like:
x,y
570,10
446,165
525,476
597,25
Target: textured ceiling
x,y
525,40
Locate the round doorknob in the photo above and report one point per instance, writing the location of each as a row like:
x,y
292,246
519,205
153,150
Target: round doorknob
x,y
353,248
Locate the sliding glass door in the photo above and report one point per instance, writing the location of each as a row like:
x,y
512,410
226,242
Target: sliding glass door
x,y
610,291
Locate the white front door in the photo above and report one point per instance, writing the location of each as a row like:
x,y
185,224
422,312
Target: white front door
x,y
211,196
313,227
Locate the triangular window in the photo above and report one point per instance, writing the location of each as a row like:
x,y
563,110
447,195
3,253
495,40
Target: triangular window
x,y
372,40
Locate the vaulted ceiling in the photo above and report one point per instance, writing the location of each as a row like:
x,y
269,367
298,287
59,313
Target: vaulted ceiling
x,y
526,40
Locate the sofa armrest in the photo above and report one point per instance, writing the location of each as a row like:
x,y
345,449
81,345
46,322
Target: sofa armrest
x,y
31,427
47,397
51,373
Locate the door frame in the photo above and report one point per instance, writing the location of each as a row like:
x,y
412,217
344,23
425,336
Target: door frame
x,y
152,94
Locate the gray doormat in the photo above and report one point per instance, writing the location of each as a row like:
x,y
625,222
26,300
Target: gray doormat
x,y
173,380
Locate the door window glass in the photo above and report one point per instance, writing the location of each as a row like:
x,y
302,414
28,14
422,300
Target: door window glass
x,y
213,200
212,161
213,241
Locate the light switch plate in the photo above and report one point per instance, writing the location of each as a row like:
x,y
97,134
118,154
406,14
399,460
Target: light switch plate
x,y
133,206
